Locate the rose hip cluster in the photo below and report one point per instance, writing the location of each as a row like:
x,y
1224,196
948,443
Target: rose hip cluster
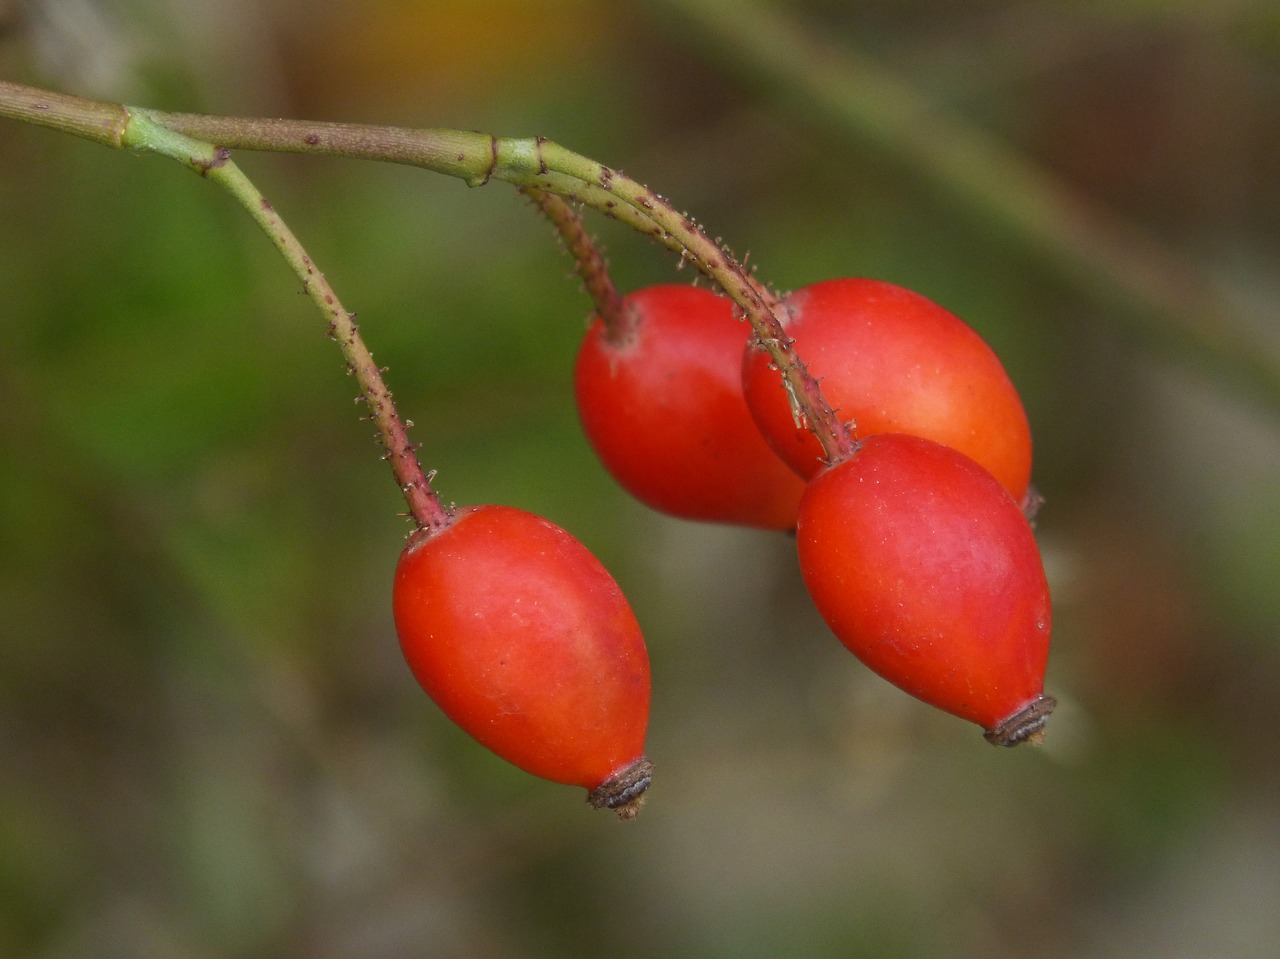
x,y
916,547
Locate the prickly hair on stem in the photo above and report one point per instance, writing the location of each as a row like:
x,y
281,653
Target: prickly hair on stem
x,y
588,257
477,159
214,163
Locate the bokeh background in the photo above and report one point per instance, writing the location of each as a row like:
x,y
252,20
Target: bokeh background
x,y
209,745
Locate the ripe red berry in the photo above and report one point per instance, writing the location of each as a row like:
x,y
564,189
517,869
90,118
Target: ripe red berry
x,y
523,639
925,568
659,394
893,361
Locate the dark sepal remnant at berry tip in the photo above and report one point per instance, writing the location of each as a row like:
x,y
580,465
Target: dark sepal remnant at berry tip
x,y
1024,726
624,791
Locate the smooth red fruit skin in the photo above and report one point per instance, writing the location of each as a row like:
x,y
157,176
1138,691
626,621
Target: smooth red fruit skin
x,y
523,639
664,411
925,568
892,361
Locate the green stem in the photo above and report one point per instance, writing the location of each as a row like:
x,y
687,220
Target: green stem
x,y
100,122
537,163
214,163
477,158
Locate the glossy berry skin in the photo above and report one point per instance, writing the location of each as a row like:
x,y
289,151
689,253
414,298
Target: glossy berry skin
x,y
523,639
926,569
892,361
660,400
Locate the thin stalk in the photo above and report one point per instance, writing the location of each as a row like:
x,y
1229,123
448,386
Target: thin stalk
x,y
537,163
588,259
214,163
518,161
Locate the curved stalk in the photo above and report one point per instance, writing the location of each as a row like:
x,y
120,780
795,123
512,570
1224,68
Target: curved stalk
x,y
540,164
214,163
588,259
477,158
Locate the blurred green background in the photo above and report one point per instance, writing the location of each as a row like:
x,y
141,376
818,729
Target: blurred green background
x,y
209,745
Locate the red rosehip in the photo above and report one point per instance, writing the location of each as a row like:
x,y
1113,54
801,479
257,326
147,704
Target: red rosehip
x,y
892,361
925,568
523,639
659,394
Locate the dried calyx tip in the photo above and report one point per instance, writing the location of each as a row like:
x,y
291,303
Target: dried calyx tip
x,y
1026,725
624,791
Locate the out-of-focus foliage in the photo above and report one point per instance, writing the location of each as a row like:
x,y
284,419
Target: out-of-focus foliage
x,y
209,745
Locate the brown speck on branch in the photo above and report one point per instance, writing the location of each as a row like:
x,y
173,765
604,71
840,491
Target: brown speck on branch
x,y
220,156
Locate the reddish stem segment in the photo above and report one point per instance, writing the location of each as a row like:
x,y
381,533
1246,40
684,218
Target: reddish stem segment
x,y
424,504
607,189
588,258
759,306
214,163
